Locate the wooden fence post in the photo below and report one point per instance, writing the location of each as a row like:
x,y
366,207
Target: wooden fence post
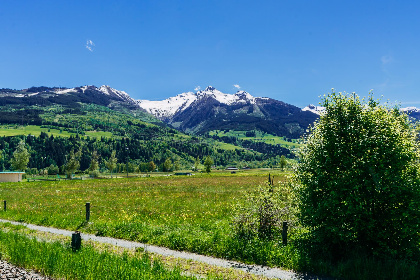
x,y
284,233
76,241
87,211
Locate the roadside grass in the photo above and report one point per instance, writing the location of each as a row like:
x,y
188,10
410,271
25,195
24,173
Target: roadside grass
x,y
55,260
186,266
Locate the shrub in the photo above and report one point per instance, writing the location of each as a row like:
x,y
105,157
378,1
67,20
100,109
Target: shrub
x,y
264,210
358,180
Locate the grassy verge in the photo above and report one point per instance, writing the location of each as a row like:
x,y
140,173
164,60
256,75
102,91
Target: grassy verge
x,y
55,260
187,267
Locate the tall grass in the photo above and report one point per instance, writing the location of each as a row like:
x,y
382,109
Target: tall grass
x,y
56,260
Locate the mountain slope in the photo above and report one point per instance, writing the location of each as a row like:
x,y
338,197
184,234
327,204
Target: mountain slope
x,y
211,109
27,104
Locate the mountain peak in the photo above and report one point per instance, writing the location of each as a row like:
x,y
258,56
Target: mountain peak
x,y
243,95
210,88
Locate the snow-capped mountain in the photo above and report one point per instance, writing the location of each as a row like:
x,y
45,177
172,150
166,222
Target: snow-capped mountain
x,y
211,109
103,94
410,110
166,109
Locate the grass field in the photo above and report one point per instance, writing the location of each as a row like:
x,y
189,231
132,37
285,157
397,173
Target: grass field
x,y
13,130
259,137
182,213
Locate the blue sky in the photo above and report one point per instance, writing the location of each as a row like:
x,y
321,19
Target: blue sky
x,y
293,51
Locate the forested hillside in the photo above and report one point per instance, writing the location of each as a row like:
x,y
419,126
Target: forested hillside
x,y
55,122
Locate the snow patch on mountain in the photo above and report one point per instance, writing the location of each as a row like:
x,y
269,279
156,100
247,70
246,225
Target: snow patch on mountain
x,y
64,91
113,92
168,107
410,110
314,109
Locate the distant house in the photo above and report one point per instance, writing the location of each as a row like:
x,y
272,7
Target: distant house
x,y
232,168
11,176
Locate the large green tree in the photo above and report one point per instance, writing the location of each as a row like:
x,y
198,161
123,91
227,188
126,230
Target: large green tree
x,y
20,157
358,179
208,163
111,163
167,165
73,162
94,161
152,166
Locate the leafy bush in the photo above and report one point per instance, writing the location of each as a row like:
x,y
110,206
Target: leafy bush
x,y
264,210
358,180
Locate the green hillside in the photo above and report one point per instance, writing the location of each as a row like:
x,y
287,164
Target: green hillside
x,y
52,132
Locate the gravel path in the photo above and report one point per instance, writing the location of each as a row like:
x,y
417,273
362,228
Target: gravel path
x,y
8,271
254,269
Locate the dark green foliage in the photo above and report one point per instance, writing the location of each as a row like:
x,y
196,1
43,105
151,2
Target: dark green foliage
x,y
262,213
20,158
358,181
208,163
261,147
53,169
167,165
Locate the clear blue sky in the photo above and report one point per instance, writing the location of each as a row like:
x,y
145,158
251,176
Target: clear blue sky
x,y
292,51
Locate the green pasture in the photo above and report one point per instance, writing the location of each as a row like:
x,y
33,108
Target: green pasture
x,y
259,137
14,130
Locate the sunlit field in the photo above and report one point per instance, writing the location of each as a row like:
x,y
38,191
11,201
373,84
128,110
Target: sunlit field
x,y
184,213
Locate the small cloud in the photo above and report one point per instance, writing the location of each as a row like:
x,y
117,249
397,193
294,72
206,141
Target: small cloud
x,y
237,86
197,88
90,45
386,59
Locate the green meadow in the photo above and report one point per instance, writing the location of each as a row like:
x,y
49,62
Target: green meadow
x,y
259,137
183,213
14,130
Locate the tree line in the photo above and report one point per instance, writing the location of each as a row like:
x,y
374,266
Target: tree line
x,y
57,153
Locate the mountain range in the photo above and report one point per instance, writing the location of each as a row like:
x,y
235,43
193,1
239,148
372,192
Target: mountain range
x,y
192,112
211,109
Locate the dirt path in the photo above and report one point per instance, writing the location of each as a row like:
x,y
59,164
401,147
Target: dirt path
x,y
253,269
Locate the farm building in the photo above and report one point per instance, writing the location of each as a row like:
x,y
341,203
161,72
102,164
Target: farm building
x,y
231,168
11,176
